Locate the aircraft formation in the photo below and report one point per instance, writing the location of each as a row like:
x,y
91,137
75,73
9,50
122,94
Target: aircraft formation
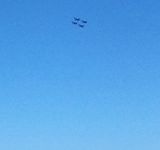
x,y
79,22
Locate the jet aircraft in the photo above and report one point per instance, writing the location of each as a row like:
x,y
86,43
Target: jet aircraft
x,y
84,21
74,22
77,19
81,25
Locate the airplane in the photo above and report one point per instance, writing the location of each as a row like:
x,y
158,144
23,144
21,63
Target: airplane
x,y
74,22
84,21
81,25
77,19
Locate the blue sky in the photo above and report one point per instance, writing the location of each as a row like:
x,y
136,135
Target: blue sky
x,y
68,88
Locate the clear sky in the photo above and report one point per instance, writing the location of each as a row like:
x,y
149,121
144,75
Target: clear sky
x,y
63,87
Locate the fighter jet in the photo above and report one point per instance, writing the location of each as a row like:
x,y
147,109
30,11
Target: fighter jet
x,y
84,21
74,22
77,19
81,25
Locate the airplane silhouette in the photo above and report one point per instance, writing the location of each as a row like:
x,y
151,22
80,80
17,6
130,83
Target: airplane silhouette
x,y
84,21
77,19
74,22
81,25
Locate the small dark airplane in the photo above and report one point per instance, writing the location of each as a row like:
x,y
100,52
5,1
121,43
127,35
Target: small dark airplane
x,y
84,21
77,19
74,22
81,25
